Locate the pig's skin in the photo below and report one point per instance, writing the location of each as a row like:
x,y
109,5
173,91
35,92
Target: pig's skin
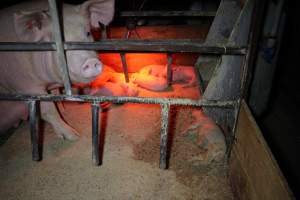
x,y
153,77
150,82
154,70
115,89
180,73
11,109
108,89
35,72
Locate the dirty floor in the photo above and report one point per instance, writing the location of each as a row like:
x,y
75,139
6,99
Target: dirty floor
x,y
130,160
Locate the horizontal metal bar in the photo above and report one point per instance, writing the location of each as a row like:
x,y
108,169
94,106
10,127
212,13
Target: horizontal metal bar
x,y
100,99
186,13
188,46
27,46
183,46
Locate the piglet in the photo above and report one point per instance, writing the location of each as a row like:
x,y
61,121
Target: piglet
x,y
185,74
150,82
115,89
154,70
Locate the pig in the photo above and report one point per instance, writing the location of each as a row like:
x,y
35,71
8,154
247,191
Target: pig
x,y
154,70
151,77
150,82
37,72
185,74
112,83
205,133
115,89
154,77
13,109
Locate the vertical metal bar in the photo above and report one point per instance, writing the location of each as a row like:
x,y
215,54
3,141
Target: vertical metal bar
x,y
34,127
95,133
165,108
61,57
256,18
258,13
169,69
124,64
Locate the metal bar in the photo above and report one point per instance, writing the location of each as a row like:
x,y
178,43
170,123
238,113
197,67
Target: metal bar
x,y
124,65
34,124
187,13
183,46
165,108
27,46
61,58
121,99
169,69
95,134
258,14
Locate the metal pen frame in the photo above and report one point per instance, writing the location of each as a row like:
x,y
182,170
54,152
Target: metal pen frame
x,y
167,46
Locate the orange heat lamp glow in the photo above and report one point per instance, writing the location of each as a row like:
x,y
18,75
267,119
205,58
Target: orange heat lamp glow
x,y
135,61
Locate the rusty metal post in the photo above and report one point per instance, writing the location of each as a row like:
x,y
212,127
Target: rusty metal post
x,y
95,134
34,130
165,108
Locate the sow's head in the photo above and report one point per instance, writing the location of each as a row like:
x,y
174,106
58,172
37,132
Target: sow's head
x,y
78,20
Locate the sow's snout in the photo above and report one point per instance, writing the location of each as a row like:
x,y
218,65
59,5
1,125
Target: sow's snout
x,y
91,68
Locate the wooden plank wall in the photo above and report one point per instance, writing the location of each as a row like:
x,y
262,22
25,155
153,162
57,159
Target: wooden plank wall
x,y
254,173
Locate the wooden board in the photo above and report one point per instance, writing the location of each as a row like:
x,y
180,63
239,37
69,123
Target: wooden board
x,y
254,173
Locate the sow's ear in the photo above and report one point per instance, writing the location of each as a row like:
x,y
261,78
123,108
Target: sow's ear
x,y
31,26
98,11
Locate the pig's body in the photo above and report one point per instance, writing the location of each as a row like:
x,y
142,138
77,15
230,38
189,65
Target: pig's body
x,y
37,72
115,89
154,77
184,74
150,82
112,83
14,112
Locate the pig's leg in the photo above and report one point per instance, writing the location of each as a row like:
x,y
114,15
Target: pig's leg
x,y
50,114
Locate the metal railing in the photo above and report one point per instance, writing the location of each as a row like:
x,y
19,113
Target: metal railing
x,y
168,46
